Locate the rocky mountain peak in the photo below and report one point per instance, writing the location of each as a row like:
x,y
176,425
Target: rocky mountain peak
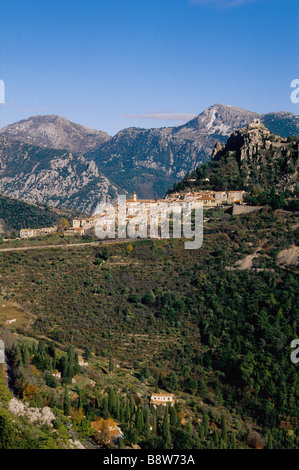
x,y
55,132
216,123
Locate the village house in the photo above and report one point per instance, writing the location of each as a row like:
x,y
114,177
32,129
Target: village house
x,y
81,362
139,214
87,223
162,398
77,232
56,374
208,198
27,233
36,232
235,196
135,207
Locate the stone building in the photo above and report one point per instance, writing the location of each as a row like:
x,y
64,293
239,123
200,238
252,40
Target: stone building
x,y
162,398
36,232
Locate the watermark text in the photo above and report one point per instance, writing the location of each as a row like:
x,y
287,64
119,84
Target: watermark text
x,y
151,220
295,93
2,92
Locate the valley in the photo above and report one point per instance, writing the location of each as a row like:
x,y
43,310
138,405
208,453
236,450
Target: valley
x,y
154,316
94,329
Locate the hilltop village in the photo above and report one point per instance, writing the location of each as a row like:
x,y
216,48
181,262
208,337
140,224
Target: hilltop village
x,y
84,225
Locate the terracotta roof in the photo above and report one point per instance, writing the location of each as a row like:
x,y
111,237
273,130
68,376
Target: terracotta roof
x,y
204,198
159,395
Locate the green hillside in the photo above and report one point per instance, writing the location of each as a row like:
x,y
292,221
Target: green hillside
x,y
189,322
16,215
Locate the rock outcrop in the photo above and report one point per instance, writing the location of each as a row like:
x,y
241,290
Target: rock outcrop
x,y
263,158
34,415
56,177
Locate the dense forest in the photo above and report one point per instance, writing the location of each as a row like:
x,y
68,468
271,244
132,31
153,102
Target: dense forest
x,y
17,214
189,322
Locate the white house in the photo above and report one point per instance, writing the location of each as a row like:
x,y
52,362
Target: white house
x,y
162,399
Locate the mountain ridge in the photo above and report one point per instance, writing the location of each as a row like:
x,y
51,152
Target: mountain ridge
x,y
53,131
148,161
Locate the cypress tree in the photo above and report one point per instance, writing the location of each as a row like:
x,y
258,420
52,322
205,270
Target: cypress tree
x,y
80,399
174,417
233,440
223,427
132,404
64,366
112,401
154,425
127,411
66,402
97,400
205,424
26,356
105,405
18,357
121,412
54,356
117,412
270,441
76,364
139,421
53,401
146,422
166,430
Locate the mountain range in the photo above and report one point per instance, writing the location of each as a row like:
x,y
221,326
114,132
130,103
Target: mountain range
x,y
48,159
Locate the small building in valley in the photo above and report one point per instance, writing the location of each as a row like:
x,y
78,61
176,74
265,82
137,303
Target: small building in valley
x,y
81,362
75,232
36,232
162,399
56,374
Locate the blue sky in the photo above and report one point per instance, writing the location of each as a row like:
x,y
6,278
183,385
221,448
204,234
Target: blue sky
x,y
111,64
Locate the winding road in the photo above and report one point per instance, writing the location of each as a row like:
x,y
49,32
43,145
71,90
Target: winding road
x,y
70,245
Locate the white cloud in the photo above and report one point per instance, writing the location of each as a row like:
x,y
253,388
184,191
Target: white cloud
x,y
163,116
224,3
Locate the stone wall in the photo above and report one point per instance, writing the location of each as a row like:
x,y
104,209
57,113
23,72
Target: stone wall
x,y
243,209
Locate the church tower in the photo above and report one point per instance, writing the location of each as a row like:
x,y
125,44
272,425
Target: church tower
x,y
134,197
